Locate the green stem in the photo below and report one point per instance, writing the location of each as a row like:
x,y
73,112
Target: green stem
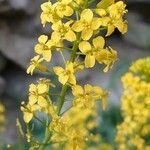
x,y
75,48
65,87
62,98
72,59
46,139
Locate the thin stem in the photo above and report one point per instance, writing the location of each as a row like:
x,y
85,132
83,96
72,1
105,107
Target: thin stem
x,y
62,98
62,57
67,48
47,137
72,59
79,53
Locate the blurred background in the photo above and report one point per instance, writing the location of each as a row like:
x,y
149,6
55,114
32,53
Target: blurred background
x,y
19,29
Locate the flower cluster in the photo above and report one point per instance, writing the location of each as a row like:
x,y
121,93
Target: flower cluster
x,y
134,132
80,24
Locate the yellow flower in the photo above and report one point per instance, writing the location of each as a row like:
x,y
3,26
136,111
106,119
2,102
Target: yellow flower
x,y
86,97
28,111
112,15
107,57
38,93
142,67
35,64
135,107
44,47
63,31
91,51
97,52
87,24
48,13
67,74
47,82
112,23
63,8
117,10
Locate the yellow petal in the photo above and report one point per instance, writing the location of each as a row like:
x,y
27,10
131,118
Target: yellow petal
x,y
99,42
63,79
67,24
47,55
72,79
87,15
69,67
32,88
78,26
43,39
58,70
85,47
68,11
46,5
38,48
32,99
42,88
77,90
87,34
89,61
96,23
27,117
66,1
88,88
56,26
110,30
122,26
35,107
30,69
55,37
70,36
42,102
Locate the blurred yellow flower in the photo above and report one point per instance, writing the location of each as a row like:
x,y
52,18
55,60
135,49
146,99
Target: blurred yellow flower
x,y
135,128
86,97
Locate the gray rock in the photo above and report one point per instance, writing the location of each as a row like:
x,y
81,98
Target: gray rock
x,y
17,82
15,47
139,31
2,85
3,62
19,28
27,6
